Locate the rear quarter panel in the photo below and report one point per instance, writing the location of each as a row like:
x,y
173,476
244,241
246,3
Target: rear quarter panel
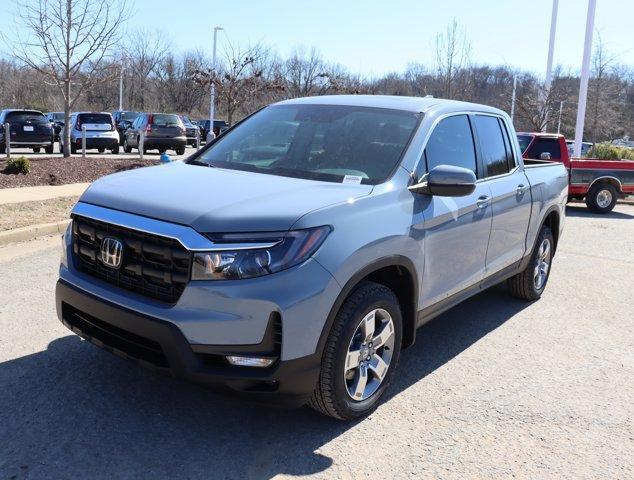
x,y
549,191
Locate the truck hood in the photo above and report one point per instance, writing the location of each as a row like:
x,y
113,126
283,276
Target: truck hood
x,y
217,200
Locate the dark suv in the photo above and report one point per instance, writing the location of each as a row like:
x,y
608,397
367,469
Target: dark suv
x,y
57,119
163,131
122,121
28,128
190,130
219,127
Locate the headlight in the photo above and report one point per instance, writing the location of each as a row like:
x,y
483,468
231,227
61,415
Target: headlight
x,y
284,250
65,237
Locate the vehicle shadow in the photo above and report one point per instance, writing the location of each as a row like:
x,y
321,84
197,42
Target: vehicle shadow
x,y
583,212
74,411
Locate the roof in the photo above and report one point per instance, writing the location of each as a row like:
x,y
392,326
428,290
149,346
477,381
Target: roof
x,y
410,104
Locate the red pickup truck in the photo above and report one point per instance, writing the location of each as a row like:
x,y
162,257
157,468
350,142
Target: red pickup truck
x,y
600,182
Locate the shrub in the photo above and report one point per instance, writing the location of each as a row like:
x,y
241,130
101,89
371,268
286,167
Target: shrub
x,y
607,151
18,165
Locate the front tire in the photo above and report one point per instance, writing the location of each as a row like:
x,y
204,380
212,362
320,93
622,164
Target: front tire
x,y
361,353
531,283
601,198
180,151
49,150
126,148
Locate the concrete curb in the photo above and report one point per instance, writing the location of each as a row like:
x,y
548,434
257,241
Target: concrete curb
x,y
32,231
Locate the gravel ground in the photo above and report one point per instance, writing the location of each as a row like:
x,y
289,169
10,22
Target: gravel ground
x,y
58,171
15,215
494,388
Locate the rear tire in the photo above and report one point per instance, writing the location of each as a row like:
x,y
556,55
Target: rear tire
x,y
73,149
115,150
3,149
601,198
36,150
126,148
180,151
101,150
531,283
49,150
372,312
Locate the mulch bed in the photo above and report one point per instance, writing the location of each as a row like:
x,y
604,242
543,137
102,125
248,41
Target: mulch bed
x,y
59,171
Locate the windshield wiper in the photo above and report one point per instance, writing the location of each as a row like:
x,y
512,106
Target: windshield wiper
x,y
197,162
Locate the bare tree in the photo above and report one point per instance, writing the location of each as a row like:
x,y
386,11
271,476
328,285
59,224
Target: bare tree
x,y
241,80
70,44
453,51
603,93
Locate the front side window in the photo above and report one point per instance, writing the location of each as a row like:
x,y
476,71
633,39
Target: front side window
x,y
451,143
492,145
319,142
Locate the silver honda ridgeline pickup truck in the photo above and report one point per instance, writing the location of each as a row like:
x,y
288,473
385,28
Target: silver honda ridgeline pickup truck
x,y
295,256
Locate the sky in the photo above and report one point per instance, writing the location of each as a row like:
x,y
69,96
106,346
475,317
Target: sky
x,y
374,37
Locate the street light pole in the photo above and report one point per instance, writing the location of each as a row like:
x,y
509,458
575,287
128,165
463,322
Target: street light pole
x,y
513,97
585,74
212,101
561,108
549,61
121,89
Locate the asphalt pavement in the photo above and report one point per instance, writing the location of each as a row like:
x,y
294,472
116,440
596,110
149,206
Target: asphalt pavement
x,y
494,388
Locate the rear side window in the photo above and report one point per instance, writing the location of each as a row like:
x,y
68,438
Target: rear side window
x,y
26,116
492,145
451,143
97,118
545,145
166,120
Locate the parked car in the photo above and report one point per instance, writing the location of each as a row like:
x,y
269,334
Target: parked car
x,y
219,127
162,132
27,129
123,120
192,132
599,182
100,132
298,271
57,119
585,147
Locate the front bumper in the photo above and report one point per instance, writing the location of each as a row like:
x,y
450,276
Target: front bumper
x,y
161,346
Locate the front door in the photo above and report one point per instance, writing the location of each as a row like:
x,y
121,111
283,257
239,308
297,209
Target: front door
x,y
455,229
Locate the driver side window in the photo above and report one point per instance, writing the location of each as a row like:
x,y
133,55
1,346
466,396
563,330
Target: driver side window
x,y
450,143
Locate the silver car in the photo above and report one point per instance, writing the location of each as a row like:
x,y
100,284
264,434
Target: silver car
x,y
294,257
100,131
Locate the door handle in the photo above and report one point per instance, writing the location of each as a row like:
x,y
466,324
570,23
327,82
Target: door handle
x,y
483,201
521,189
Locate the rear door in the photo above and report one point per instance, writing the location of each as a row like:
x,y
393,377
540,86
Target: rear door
x,y
510,193
456,229
166,126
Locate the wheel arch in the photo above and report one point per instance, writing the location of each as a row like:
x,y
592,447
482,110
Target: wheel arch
x,y
607,179
396,272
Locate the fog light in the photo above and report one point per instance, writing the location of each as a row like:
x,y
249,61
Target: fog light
x,y
250,361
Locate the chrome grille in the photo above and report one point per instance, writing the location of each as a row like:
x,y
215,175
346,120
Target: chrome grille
x,y
153,266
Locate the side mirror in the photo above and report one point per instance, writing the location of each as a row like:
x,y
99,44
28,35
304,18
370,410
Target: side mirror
x,y
544,156
446,181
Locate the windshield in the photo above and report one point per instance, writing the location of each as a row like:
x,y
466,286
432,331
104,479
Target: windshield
x,y
187,121
320,142
58,117
26,116
525,141
129,116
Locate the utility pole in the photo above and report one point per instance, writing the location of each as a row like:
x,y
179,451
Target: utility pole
x,y
585,74
212,101
549,61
